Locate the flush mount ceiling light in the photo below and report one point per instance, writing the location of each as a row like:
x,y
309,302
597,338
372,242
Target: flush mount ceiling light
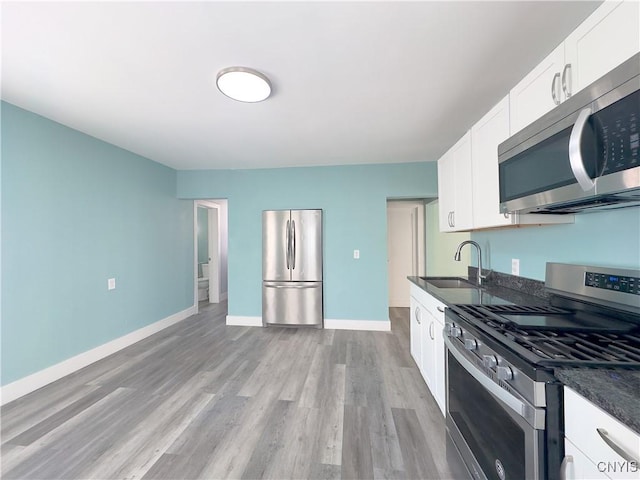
x,y
243,84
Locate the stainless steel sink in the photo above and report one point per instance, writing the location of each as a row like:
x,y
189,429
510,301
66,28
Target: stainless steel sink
x,y
448,282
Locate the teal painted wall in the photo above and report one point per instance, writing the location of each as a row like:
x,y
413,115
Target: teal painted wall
x,y
608,238
203,237
354,202
76,211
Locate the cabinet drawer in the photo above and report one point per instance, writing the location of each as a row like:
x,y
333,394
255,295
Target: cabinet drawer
x,y
430,303
578,467
585,426
435,307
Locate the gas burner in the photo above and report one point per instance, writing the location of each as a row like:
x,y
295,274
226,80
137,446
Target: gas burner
x,y
561,340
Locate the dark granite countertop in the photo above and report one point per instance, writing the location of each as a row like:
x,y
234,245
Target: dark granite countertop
x,y
617,392
493,292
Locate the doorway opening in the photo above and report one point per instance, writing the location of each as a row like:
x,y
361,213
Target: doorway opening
x,y
210,251
405,247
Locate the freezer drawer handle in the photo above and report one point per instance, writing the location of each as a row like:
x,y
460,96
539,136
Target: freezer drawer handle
x,y
290,286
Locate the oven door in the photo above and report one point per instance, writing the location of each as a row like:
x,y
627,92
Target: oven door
x,y
491,427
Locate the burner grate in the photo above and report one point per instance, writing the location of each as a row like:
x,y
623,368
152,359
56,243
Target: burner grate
x,y
602,349
524,310
548,347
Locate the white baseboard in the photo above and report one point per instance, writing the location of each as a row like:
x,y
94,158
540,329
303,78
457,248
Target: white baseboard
x,y
369,325
244,321
39,379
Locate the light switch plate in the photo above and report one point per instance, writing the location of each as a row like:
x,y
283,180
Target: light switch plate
x,y
356,254
515,266
111,283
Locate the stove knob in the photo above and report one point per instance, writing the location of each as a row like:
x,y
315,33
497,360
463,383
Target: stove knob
x,y
470,344
489,361
504,373
455,332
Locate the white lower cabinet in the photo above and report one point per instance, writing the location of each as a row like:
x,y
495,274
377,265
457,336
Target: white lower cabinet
x,y
416,331
596,444
577,466
427,344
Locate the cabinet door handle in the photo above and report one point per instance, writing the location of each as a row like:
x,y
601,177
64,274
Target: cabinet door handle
x,y
615,447
450,221
453,218
417,315
440,309
565,466
566,85
554,89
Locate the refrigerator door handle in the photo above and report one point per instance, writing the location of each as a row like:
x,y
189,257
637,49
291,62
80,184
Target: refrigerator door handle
x,y
293,236
271,285
288,243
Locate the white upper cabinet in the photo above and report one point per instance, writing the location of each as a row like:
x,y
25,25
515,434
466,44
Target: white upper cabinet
x,y
603,41
468,179
537,93
463,214
446,191
486,135
608,37
454,187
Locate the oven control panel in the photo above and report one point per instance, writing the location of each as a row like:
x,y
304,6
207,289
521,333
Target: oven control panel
x,y
618,283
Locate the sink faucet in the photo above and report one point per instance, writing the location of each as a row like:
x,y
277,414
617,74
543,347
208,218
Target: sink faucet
x,y
456,257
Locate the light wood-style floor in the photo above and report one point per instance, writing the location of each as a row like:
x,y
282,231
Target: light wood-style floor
x,y
204,400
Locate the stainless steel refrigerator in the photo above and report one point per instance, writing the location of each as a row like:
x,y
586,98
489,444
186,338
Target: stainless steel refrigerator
x,y
292,267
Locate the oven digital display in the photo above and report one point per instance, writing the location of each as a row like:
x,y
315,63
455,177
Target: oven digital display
x,y
613,282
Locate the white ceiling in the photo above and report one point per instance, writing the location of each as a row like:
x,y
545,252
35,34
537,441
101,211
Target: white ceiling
x,y
360,82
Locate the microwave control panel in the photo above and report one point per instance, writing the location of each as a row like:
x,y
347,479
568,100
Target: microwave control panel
x,y
619,132
617,283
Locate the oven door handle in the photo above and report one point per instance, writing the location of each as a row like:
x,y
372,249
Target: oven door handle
x,y
515,404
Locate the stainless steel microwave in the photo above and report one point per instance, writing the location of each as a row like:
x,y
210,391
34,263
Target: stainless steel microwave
x,y
582,155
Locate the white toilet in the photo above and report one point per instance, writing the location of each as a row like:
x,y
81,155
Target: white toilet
x,y
203,283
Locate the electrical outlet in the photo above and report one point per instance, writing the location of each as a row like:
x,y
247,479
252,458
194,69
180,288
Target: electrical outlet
x,y
515,266
356,254
111,284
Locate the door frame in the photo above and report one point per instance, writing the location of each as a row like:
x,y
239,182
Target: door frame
x,y
213,212
416,206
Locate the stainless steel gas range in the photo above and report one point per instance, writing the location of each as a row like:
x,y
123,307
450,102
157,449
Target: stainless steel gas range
x,y
504,406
